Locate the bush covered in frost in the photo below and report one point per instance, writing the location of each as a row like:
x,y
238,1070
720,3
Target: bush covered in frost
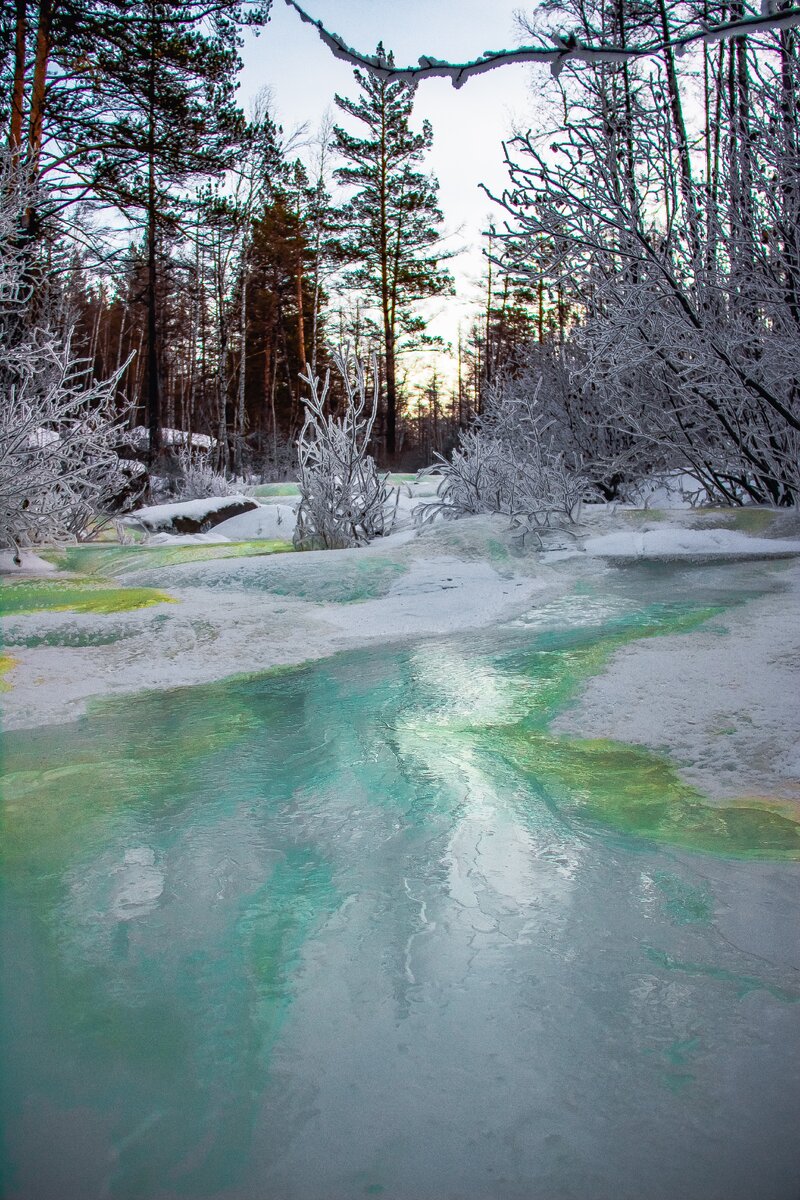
x,y
509,462
192,477
344,500
58,426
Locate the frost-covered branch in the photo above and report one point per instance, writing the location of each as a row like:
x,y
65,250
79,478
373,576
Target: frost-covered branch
x,y
565,48
58,426
344,500
688,294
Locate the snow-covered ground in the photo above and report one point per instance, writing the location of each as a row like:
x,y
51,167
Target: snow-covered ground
x,y
671,542
722,704
723,701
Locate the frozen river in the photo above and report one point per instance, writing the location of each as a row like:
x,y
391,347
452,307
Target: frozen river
x,y
368,927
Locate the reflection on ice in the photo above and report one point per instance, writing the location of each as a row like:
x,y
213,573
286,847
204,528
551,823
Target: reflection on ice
x,y
139,884
369,928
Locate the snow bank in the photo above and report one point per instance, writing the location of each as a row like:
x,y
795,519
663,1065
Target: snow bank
x,y
676,490
270,521
41,437
190,516
30,563
673,542
726,711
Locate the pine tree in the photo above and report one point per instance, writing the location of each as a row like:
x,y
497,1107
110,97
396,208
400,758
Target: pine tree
x,y
126,104
279,307
391,227
171,85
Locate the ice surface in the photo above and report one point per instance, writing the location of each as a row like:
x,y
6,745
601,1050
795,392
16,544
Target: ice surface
x,y
212,538
372,956
399,921
139,884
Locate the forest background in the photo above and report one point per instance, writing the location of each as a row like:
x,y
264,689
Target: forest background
x,y
643,281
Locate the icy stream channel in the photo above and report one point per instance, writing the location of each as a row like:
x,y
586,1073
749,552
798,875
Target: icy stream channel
x,y
368,928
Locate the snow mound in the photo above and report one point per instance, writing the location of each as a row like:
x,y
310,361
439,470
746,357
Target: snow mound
x,y
676,490
30,563
673,542
190,516
274,522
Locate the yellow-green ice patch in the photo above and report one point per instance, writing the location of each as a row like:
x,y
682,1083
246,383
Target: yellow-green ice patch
x,y
7,663
632,791
76,594
599,785
112,560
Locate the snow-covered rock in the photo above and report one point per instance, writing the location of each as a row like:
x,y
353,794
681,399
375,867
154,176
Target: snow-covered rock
x,y
270,521
190,516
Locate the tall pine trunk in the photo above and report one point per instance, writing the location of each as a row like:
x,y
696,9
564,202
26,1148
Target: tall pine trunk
x,y
36,120
153,383
18,87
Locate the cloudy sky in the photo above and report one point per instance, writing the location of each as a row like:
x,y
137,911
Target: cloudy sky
x,y
469,125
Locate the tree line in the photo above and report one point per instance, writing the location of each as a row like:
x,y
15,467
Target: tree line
x,y
642,279
200,254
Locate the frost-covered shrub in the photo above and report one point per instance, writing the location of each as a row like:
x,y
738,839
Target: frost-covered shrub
x,y
58,427
194,478
344,500
507,463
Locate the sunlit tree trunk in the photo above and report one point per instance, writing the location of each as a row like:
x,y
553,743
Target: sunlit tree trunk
x,y
18,86
41,60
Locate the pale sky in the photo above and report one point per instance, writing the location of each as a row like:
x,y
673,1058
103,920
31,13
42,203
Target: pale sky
x,y
468,125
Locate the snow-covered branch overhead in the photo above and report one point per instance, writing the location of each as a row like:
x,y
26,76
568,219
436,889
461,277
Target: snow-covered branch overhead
x,y
564,48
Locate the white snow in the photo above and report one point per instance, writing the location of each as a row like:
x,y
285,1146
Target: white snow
x,y
270,521
674,542
676,490
161,516
42,437
30,564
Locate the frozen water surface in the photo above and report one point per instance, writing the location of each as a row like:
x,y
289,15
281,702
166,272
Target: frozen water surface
x,y
367,928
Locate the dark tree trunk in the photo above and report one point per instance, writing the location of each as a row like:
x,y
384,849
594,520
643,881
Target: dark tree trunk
x,y
153,382
391,391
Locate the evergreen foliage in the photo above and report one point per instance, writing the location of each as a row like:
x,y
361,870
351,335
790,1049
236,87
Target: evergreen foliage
x,y
390,228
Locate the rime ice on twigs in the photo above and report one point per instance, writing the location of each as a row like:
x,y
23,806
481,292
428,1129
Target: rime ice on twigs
x,y
344,501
